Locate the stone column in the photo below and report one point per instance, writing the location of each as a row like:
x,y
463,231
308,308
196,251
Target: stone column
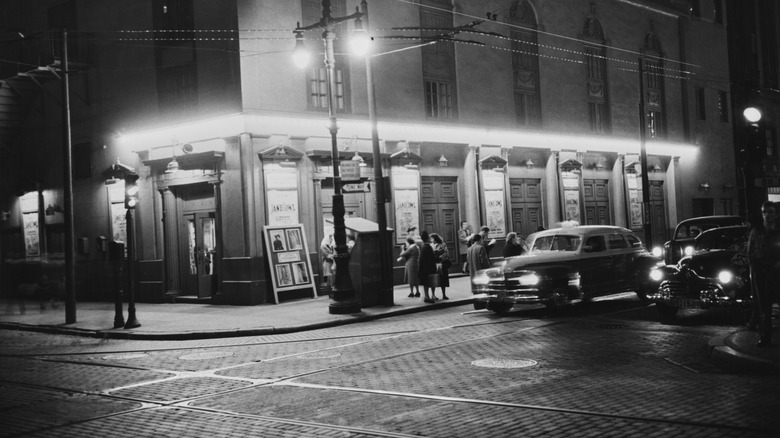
x,y
248,194
553,194
470,195
619,192
171,237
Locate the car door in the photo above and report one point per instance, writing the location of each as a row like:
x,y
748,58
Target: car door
x,y
594,265
620,258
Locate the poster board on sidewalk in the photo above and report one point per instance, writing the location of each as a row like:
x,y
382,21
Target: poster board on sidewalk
x,y
288,259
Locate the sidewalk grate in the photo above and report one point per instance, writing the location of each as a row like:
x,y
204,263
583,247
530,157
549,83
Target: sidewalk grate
x,y
504,363
206,355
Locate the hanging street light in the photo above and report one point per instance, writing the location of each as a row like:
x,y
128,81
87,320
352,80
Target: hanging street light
x,y
344,300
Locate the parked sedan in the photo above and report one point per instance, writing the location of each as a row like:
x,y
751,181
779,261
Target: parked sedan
x,y
566,265
685,234
714,274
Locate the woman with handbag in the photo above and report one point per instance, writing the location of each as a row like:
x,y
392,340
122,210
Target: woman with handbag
x,y
428,275
411,258
443,263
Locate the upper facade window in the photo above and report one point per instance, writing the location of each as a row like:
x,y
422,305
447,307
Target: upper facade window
x,y
438,61
596,74
177,69
653,73
525,64
316,76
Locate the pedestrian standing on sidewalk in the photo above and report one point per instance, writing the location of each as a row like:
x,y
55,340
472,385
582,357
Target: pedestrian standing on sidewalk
x,y
327,251
443,264
486,242
464,235
477,256
410,255
513,246
764,257
428,276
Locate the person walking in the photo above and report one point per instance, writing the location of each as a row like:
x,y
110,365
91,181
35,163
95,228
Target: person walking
x,y
764,259
513,246
488,244
411,256
428,276
443,264
477,256
464,235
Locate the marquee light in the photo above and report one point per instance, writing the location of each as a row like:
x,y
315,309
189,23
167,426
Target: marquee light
x,y
309,126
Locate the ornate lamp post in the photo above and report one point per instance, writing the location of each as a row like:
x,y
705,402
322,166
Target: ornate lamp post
x,y
343,292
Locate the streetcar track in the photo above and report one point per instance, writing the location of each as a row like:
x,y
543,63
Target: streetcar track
x,y
289,381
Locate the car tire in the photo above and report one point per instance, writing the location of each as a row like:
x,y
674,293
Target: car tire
x,y
559,298
479,305
666,311
499,308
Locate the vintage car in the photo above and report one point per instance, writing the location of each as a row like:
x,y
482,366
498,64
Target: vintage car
x,y
716,273
685,234
566,265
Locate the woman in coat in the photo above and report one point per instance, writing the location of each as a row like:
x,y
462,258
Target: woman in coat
x,y
513,247
428,275
442,263
411,256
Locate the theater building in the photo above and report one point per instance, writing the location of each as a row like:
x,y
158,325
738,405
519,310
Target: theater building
x,y
513,114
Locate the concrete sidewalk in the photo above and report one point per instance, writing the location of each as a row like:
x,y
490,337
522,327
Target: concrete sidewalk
x,y
203,321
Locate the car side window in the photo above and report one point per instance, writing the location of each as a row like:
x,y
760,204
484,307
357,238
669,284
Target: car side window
x,y
616,241
595,244
633,241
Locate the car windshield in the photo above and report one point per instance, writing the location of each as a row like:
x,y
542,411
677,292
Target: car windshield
x,y
692,230
558,242
728,239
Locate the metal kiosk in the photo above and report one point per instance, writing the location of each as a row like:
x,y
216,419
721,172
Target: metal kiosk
x,y
364,267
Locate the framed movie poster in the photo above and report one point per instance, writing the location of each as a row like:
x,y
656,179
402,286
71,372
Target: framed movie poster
x,y
288,257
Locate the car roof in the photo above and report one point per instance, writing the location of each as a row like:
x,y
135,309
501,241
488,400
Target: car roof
x,y
582,230
724,230
719,219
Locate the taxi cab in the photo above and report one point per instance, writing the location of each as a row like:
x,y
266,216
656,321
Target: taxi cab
x,y
567,265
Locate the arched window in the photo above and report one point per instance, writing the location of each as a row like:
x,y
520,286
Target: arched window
x,y
596,81
525,64
655,103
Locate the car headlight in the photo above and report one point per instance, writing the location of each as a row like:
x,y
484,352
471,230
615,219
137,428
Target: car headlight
x,y
725,277
528,280
480,279
658,251
656,274
688,250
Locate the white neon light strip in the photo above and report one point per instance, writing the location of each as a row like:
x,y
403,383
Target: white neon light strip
x,y
308,126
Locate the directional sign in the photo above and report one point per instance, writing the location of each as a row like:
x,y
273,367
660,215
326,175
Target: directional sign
x,y
362,187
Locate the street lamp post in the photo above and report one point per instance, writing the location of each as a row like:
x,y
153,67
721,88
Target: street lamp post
x,y
752,118
344,300
386,290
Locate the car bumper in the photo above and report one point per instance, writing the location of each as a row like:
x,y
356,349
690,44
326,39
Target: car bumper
x,y
700,295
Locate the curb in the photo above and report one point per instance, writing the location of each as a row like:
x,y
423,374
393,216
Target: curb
x,y
182,336
732,359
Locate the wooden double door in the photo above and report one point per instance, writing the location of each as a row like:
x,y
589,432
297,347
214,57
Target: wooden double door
x,y
198,248
526,200
440,210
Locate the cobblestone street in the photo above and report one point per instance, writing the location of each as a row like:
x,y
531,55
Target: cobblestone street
x,y
605,369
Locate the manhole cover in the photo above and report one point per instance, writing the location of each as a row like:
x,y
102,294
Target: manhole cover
x,y
610,326
207,355
124,356
320,355
504,363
